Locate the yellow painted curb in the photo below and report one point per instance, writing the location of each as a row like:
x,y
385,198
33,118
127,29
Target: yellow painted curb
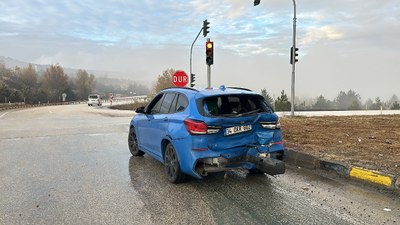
x,y
371,176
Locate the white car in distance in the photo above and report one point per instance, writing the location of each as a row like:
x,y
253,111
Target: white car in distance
x,y
94,99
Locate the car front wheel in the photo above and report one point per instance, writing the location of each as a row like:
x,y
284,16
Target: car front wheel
x,y
132,143
172,166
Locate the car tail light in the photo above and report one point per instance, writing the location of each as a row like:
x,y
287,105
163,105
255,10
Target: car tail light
x,y
199,127
271,125
195,127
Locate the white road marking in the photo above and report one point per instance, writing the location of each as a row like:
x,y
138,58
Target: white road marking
x,y
3,114
55,136
12,139
44,137
93,135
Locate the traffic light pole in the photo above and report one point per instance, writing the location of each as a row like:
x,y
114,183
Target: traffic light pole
x,y
293,55
208,72
208,76
293,59
191,51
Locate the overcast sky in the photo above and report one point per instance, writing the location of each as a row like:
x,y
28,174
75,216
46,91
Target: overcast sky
x,y
344,44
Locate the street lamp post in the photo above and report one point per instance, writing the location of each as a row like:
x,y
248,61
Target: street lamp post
x,y
293,55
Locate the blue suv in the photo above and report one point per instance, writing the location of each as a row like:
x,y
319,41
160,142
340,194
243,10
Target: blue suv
x,y
196,132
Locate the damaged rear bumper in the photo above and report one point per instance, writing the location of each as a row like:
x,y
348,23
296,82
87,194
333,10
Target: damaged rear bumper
x,y
270,163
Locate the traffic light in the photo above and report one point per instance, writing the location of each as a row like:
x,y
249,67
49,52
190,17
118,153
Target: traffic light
x,y
192,79
205,28
209,53
295,55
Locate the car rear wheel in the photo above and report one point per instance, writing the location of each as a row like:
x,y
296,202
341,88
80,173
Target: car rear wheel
x,y
132,143
172,166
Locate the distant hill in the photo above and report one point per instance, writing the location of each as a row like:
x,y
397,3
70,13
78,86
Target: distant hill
x,y
12,63
11,85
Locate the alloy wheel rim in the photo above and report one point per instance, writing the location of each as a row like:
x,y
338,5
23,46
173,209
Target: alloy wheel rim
x,y
171,162
132,141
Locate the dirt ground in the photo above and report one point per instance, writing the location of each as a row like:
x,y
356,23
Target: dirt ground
x,y
369,141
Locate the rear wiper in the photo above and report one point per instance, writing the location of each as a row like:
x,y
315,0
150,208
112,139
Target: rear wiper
x,y
248,113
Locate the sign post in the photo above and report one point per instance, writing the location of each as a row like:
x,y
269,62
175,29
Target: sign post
x,y
180,78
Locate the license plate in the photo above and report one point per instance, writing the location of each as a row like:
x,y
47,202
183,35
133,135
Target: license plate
x,y
237,129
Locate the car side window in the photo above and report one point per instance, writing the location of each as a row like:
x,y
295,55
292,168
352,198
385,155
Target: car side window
x,y
166,104
173,105
155,104
182,103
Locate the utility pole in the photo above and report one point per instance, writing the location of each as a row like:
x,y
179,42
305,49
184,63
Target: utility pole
x,y
293,54
293,59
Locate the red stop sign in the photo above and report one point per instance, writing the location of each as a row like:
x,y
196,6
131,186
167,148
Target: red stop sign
x,y
180,78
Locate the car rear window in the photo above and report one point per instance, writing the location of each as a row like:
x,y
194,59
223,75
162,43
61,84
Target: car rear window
x,y
94,96
233,105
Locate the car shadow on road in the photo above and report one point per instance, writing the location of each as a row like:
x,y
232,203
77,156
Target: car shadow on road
x,y
218,198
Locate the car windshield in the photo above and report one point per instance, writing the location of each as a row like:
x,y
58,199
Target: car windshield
x,y
234,105
93,96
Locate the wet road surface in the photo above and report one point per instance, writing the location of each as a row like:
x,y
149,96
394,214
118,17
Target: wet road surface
x,y
71,165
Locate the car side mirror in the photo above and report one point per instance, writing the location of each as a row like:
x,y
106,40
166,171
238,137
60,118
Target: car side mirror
x,y
140,110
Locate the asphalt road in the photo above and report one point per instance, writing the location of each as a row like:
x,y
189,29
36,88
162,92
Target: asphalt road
x,y
71,165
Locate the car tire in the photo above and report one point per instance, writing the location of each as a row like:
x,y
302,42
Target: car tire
x,y
172,165
132,143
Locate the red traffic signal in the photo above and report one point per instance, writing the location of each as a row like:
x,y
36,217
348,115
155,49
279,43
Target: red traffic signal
x,y
209,53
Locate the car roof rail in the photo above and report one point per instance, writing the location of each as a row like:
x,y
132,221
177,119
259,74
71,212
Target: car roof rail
x,y
240,88
187,88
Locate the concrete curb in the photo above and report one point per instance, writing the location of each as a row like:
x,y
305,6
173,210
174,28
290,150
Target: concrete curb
x,y
397,185
301,159
377,178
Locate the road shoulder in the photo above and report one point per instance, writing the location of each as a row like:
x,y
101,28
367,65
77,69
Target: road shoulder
x,y
371,177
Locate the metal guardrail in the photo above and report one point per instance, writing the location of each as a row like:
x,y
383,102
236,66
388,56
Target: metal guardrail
x,y
118,100
20,105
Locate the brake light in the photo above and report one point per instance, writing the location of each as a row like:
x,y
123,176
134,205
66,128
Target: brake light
x,y
199,127
195,127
